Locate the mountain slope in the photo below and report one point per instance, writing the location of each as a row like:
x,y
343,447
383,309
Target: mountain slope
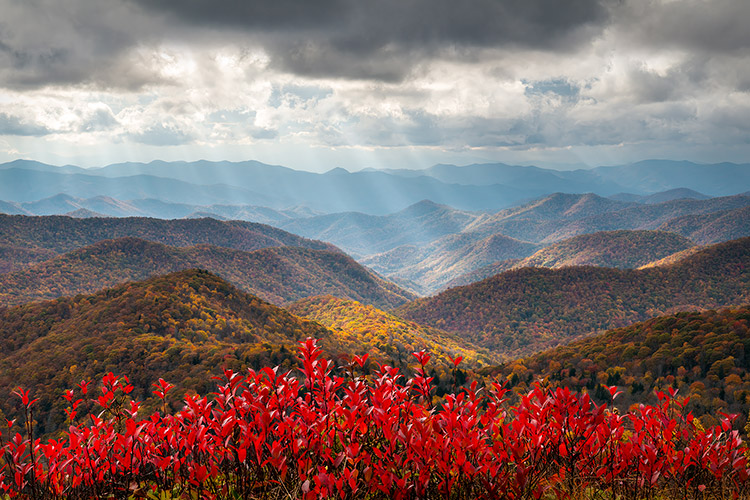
x,y
363,328
620,249
483,273
12,208
651,176
673,194
561,216
535,220
431,266
184,327
62,204
530,309
253,183
473,187
23,185
714,227
661,197
14,258
674,258
704,355
362,234
63,234
645,177
278,274
644,216
371,192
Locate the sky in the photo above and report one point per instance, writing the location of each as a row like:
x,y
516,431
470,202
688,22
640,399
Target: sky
x,y
382,84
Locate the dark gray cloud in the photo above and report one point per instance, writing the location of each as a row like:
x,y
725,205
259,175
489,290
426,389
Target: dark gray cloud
x,y
363,26
69,42
254,14
384,39
85,41
717,26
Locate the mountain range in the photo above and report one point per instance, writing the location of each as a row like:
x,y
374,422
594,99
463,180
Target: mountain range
x,y
424,248
485,242
180,269
186,327
276,274
63,234
105,206
471,187
623,249
530,309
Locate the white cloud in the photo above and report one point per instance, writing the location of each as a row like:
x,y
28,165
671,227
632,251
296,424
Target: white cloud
x,y
141,79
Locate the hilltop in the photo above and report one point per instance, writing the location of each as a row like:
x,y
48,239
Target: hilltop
x,y
705,229
63,234
276,274
619,249
183,327
561,216
363,234
480,246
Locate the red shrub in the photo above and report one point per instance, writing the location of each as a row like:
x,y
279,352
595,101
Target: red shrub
x,y
266,434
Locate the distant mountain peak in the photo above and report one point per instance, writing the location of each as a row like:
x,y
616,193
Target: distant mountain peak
x,y
83,213
421,208
60,197
337,171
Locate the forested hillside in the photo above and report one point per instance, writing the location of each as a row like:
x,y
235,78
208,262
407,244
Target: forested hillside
x,y
527,310
13,258
183,327
705,229
276,274
561,216
621,249
388,339
63,234
429,267
704,355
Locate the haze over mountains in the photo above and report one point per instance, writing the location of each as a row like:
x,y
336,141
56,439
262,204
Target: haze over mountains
x,y
472,187
425,230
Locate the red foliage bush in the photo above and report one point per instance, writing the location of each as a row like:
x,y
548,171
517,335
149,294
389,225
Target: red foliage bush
x,y
268,435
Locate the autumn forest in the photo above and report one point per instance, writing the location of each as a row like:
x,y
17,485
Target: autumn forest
x,y
571,345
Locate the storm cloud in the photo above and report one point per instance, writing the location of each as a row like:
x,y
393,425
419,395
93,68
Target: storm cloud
x,y
487,76
384,39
